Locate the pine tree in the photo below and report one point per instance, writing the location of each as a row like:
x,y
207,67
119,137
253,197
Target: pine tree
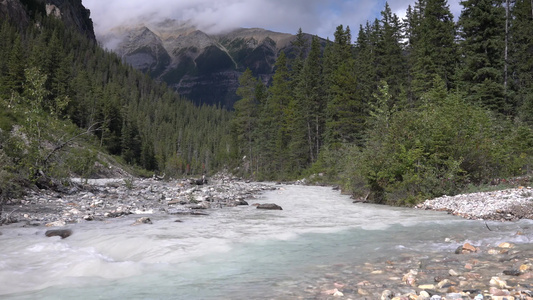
x,y
15,67
521,65
366,60
344,109
310,101
482,28
390,61
245,119
433,48
276,114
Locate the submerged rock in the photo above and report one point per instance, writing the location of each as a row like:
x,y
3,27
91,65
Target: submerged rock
x,y
143,220
269,206
63,233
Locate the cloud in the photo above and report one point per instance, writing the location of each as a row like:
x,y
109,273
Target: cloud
x,y
313,16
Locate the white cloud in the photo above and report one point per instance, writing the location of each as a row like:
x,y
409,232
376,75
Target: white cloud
x,y
313,16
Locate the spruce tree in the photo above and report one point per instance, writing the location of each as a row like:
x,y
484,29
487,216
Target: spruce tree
x,y
521,65
15,67
390,61
245,118
482,29
276,114
433,48
310,101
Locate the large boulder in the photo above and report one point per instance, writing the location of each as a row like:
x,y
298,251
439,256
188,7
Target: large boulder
x,y
269,206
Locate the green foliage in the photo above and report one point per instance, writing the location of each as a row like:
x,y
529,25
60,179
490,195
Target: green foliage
x,y
380,118
63,100
482,28
434,50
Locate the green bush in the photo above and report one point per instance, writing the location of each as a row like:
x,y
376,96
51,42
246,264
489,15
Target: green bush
x,y
436,149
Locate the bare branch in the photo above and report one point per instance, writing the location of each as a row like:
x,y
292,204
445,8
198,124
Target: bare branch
x,y
89,130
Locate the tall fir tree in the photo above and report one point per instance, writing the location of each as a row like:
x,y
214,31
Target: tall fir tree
x,y
520,54
310,102
433,49
245,119
482,29
390,61
366,61
280,95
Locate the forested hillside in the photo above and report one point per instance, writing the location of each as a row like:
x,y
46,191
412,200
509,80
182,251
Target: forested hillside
x,y
64,100
417,108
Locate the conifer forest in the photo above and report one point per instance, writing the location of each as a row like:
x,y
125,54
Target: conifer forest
x,y
396,112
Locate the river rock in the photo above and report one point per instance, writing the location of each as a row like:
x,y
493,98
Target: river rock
x,y
505,245
512,272
387,295
143,220
497,282
58,223
240,202
63,233
269,206
410,278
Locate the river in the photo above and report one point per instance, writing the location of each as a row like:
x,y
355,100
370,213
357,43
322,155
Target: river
x,y
233,253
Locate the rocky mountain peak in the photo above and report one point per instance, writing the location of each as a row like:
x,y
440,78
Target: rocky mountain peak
x,y
201,66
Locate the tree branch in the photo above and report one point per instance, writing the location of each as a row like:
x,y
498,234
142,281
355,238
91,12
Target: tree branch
x,y
64,144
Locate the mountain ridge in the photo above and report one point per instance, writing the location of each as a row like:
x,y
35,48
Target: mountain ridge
x,y
202,67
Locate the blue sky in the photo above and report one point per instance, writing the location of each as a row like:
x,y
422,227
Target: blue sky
x,y
319,17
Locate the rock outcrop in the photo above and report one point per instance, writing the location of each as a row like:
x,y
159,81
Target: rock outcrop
x,y
71,12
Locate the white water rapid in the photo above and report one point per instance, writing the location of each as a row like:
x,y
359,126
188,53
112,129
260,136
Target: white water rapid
x,y
233,253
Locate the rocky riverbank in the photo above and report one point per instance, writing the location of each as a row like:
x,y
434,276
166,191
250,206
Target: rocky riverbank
x,y
100,199
480,272
502,271
506,205
490,271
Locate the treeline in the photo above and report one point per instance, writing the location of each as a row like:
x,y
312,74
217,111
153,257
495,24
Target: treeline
x,y
414,108
52,77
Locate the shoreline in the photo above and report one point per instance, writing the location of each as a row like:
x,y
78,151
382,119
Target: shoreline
x,y
100,199
504,205
496,271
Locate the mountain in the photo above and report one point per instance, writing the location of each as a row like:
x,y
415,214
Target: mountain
x,y
202,67
71,12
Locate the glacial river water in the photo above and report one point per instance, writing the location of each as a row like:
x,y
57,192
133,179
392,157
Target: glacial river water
x,y
234,253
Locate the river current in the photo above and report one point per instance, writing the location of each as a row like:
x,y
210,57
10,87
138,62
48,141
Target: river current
x,y
233,253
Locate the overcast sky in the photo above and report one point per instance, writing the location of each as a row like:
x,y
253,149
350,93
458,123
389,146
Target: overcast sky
x,y
319,17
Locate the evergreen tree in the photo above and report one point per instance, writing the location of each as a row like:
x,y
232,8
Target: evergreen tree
x,y
310,102
277,116
15,67
245,119
344,106
482,28
346,111
433,49
366,63
521,65
390,61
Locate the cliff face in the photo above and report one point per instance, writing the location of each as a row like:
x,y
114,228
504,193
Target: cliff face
x,y
14,11
204,68
71,12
